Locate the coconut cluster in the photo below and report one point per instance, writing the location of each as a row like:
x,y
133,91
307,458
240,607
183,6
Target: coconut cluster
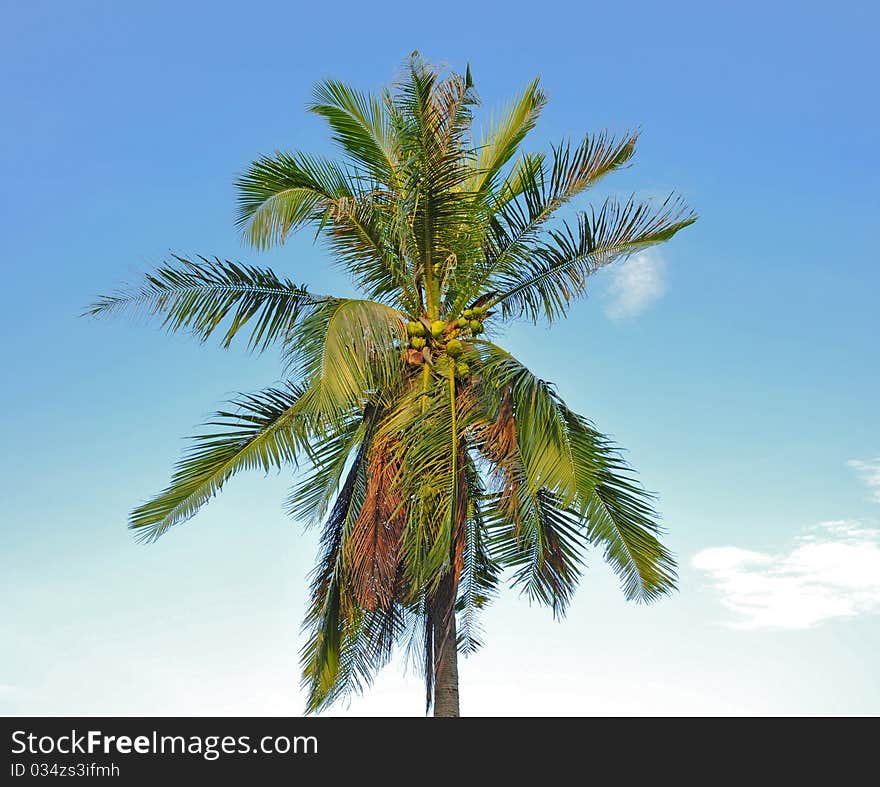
x,y
472,320
416,332
470,323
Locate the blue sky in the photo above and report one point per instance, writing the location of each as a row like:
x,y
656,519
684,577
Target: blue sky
x,y
738,364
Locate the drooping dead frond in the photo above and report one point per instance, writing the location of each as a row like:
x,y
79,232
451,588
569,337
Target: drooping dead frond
x,y
373,545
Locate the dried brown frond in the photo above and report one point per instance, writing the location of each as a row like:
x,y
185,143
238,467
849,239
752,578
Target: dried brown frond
x,y
371,550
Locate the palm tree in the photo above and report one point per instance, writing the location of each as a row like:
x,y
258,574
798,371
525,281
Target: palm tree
x,y
438,463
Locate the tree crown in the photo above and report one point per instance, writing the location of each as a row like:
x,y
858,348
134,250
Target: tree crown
x,y
436,461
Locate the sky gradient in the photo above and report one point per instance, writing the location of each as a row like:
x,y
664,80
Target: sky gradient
x,y
737,364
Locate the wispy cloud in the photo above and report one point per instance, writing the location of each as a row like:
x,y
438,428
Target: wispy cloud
x,y
831,571
636,284
869,470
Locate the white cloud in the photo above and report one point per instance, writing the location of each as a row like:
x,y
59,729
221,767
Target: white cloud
x,y
869,470
832,571
636,284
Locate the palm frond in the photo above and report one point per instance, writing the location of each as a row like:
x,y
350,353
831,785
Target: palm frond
x,y
528,426
543,545
361,126
330,452
332,619
348,352
433,117
371,551
363,236
421,428
557,268
199,295
366,643
534,193
280,193
429,425
530,197
479,577
566,467
268,430
501,141
621,518
346,644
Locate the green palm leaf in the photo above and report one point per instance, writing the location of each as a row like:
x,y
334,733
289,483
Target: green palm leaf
x,y
544,547
267,430
362,127
503,138
529,198
278,194
564,467
347,352
199,295
557,268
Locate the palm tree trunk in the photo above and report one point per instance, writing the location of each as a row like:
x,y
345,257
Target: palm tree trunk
x,y
446,652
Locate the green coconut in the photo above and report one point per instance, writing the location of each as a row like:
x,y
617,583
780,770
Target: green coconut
x,y
467,314
417,342
476,326
437,328
462,322
415,328
454,348
462,370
